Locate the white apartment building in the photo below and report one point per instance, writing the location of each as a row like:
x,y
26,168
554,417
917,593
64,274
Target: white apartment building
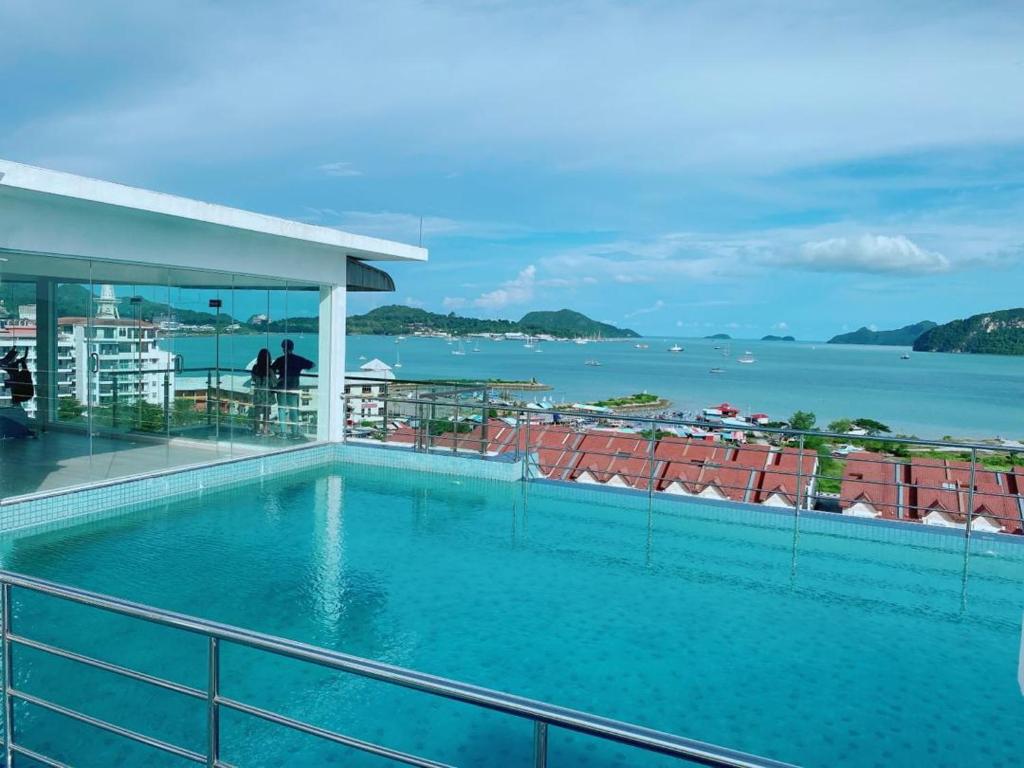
x,y
363,390
95,356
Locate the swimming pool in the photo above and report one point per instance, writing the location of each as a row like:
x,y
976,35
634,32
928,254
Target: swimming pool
x,y
803,640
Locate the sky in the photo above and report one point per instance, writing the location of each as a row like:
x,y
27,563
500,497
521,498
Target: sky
x,y
679,168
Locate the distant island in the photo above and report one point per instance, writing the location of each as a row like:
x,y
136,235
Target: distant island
x,y
990,333
718,336
770,337
399,319
900,337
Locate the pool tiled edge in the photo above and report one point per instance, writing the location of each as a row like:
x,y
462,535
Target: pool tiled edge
x,y
483,468
72,506
34,513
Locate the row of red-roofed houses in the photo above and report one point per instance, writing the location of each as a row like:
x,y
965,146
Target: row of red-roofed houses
x,y
681,466
933,492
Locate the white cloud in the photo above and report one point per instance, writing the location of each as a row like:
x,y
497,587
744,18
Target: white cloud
x,y
868,253
724,84
454,302
411,301
781,326
340,169
516,291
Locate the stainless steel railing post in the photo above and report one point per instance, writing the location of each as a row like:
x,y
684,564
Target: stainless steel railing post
x,y
484,426
526,447
212,705
970,491
455,435
540,744
8,658
651,451
518,433
800,476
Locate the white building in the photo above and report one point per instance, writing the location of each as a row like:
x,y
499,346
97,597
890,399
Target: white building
x,y
58,229
115,358
364,389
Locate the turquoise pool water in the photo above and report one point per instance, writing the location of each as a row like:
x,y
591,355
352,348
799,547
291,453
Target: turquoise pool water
x,y
813,643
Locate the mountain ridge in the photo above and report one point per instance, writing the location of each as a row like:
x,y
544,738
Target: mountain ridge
x,y
988,333
396,319
898,337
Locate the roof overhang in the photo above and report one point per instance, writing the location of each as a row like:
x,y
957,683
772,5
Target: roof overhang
x,y
49,213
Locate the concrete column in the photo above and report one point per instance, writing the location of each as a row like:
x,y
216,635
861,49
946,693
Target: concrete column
x,y
331,366
46,352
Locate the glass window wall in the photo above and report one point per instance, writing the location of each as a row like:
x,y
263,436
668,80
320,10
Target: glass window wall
x,y
113,369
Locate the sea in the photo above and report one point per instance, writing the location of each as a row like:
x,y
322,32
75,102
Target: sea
x,y
929,395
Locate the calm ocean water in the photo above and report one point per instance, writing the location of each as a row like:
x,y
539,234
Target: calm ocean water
x,y
929,395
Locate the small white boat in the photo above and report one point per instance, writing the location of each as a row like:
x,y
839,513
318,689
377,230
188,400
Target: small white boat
x,y
905,356
717,370
579,341
746,358
593,363
461,351
640,346
398,359
675,348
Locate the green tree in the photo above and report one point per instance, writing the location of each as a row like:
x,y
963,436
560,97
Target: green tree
x,y
840,425
803,420
872,426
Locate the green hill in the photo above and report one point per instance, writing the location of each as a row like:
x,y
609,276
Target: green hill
x,y
396,319
991,333
771,337
718,336
901,337
73,300
569,324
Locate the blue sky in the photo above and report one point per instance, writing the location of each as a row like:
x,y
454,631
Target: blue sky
x,y
679,168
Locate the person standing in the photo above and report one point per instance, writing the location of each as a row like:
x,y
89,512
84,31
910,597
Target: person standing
x,y
264,382
289,367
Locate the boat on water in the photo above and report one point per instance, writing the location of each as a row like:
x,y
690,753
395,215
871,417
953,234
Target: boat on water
x,y
461,351
746,358
717,370
640,346
529,343
579,341
398,359
905,356
593,363
675,348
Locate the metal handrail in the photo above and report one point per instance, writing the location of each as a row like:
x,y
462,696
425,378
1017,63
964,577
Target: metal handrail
x,y
967,490
541,714
678,421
